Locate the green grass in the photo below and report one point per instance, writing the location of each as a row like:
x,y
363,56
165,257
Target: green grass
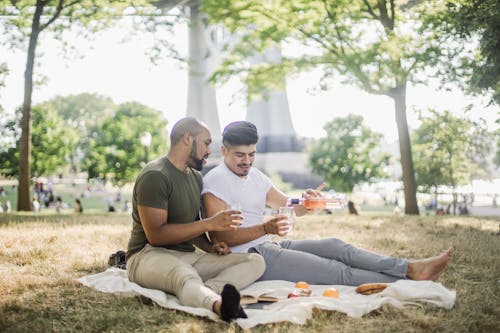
x,y
41,256
95,202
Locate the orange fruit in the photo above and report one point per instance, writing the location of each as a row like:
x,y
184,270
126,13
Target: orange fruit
x,y
331,292
302,285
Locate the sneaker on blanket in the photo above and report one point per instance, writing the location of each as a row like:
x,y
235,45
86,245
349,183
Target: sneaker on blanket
x,y
118,260
230,306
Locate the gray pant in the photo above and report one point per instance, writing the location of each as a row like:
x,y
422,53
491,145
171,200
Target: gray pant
x,y
327,261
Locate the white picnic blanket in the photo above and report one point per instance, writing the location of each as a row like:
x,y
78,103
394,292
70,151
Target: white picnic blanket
x,y
296,310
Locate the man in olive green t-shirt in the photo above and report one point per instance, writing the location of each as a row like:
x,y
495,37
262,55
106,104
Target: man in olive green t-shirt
x,y
166,227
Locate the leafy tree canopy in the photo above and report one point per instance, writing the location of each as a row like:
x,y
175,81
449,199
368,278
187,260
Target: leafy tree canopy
x,y
24,21
116,151
348,154
375,45
497,154
61,15
53,143
4,70
449,150
474,20
83,111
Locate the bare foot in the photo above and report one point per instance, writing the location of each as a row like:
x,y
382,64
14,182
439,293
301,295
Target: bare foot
x,y
430,268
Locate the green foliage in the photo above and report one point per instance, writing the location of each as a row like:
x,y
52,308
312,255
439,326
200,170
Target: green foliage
x,y
4,70
9,134
473,20
24,21
348,154
87,129
4,117
84,113
116,151
496,134
60,15
376,45
9,129
449,150
53,143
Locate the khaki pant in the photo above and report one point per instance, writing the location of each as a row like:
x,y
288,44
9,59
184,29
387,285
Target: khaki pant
x,y
195,278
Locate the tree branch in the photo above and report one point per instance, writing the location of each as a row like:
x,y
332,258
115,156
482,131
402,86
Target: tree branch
x,y
59,9
412,66
332,17
301,30
393,14
319,41
370,10
384,16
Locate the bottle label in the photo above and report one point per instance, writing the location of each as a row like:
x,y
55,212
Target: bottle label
x,y
315,203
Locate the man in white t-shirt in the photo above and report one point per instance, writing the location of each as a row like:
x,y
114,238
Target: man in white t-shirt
x,y
235,183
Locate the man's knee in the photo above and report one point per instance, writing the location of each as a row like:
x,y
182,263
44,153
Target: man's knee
x,y
257,262
180,275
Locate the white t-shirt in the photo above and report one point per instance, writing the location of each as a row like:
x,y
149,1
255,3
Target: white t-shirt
x,y
249,192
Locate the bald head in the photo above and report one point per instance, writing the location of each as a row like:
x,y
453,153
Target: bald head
x,y
188,125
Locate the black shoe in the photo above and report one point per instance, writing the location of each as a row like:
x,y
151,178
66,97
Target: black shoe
x,y
230,306
118,260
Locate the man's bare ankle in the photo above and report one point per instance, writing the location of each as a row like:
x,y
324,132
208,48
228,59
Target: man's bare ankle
x,y
216,307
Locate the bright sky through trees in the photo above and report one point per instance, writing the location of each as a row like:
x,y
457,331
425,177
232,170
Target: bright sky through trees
x,y
115,65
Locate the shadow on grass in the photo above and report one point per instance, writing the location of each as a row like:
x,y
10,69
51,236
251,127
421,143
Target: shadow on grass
x,y
66,306
70,307
71,218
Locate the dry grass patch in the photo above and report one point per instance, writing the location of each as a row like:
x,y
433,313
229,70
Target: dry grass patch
x,y
42,256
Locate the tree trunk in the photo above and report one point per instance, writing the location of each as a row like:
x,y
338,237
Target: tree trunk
x,y
23,195
398,94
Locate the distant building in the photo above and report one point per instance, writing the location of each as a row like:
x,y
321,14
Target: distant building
x,y
280,150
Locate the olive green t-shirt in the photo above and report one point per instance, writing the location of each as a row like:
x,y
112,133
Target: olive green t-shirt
x,y
161,185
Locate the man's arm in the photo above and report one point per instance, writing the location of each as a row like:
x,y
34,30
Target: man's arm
x,y
203,243
159,232
212,205
276,199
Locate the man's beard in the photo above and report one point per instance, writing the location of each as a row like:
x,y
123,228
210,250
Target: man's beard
x,y
246,172
194,161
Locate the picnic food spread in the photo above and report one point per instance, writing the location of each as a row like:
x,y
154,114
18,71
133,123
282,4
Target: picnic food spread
x,y
301,289
302,285
370,288
331,292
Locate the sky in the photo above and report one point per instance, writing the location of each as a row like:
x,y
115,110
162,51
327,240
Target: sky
x,y
118,67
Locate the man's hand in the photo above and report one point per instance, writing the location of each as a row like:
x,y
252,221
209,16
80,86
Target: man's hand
x,y
220,248
277,226
224,220
314,193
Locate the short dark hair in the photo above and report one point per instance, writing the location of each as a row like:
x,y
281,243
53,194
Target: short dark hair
x,y
240,133
189,125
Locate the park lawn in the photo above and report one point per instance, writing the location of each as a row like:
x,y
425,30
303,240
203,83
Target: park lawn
x,y
42,256
95,202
